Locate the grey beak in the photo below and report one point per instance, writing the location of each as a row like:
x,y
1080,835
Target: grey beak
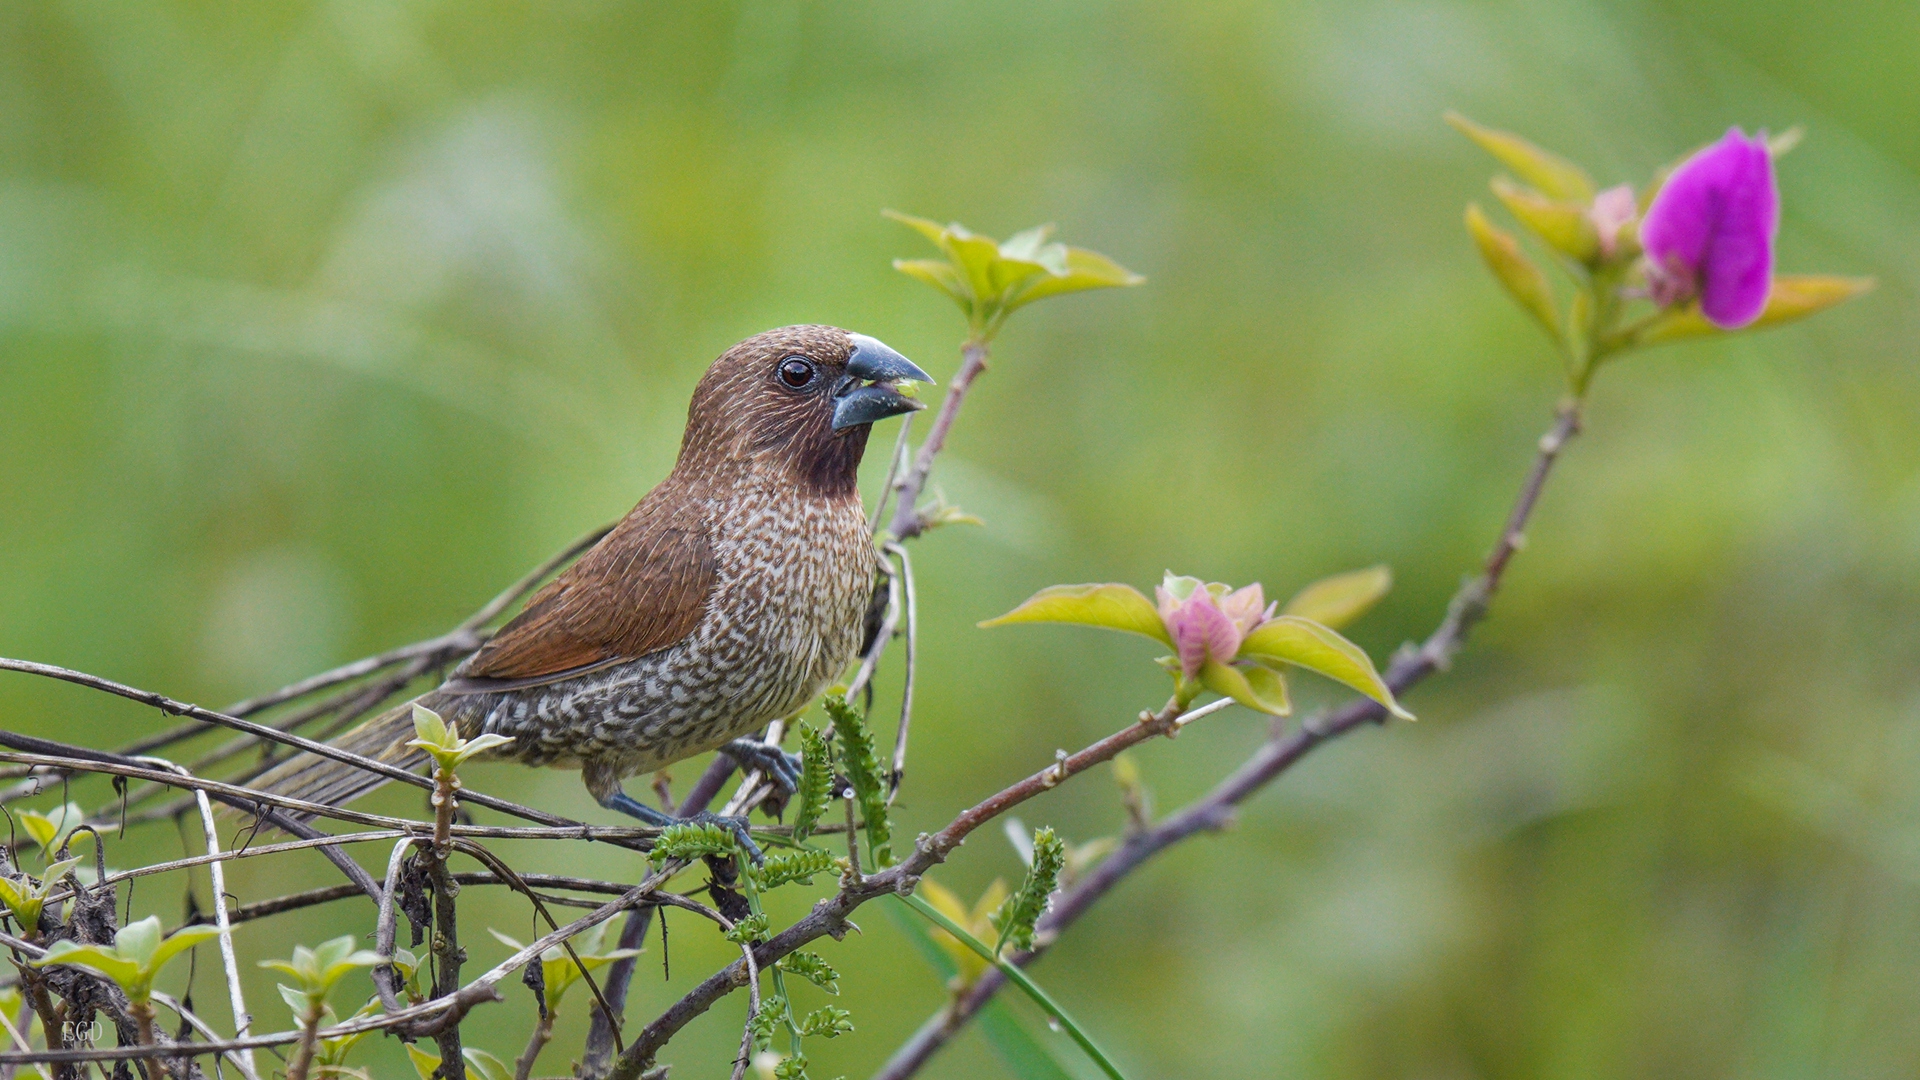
x,y
874,363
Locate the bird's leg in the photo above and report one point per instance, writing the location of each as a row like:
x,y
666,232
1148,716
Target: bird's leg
x,y
774,763
604,784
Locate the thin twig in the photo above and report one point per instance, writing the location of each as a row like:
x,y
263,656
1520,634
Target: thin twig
x,y
216,875
899,772
260,909
894,462
906,522
250,799
181,708
242,1059
889,623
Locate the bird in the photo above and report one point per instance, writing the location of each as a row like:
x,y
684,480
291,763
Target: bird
x,y
731,595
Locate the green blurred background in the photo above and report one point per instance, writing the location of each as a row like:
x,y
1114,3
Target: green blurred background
x,y
321,322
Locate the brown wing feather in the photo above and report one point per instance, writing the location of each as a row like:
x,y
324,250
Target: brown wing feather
x,y
641,589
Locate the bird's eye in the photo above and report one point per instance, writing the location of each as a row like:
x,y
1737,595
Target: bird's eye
x,y
796,371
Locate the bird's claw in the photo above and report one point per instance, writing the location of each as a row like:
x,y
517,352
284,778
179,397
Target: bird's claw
x,y
778,766
735,825
632,807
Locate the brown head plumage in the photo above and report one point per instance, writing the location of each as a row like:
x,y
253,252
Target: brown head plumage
x,y
801,395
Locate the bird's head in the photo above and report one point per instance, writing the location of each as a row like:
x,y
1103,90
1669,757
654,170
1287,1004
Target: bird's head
x,y
800,397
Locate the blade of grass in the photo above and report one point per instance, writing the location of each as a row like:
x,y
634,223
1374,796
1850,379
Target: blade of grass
x,y
1019,979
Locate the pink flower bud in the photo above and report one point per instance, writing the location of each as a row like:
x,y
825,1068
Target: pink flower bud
x,y
1199,628
1207,622
1612,210
1709,233
1248,608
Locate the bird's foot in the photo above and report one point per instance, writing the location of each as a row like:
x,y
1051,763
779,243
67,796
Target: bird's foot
x,y
735,825
782,768
633,807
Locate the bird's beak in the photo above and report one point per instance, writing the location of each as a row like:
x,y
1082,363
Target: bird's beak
x,y
867,393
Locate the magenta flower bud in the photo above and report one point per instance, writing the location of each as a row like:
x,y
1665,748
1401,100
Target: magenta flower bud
x,y
1709,233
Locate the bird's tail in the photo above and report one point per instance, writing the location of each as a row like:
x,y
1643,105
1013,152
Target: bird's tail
x,y
317,779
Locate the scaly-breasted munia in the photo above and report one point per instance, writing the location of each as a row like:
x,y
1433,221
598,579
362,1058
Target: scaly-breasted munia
x,y
729,597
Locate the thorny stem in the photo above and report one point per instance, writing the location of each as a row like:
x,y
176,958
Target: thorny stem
x,y
1274,757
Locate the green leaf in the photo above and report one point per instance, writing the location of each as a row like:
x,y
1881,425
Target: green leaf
x,y
332,960
752,928
787,867
1515,272
692,841
764,1023
139,941
1336,601
1552,174
1109,606
48,830
558,972
430,729
862,764
479,744
1028,244
989,280
1268,686
927,227
1564,226
816,783
1289,639
331,952
182,939
299,1001
487,1066
827,1022
1269,697
290,970
813,968
974,256
940,275
406,964
1084,270
423,1063
25,911
334,1051
1015,918
1794,296
98,959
